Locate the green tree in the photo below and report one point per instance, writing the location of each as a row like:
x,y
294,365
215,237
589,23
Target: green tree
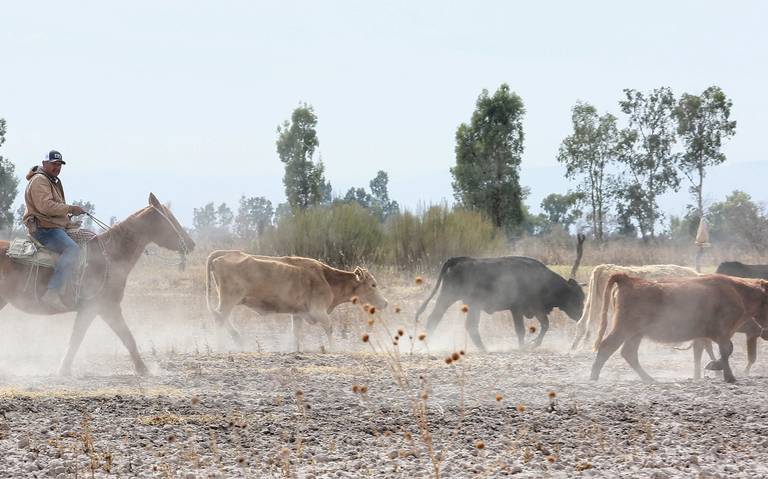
x,y
254,216
588,153
384,206
739,221
304,179
646,152
204,219
561,209
703,123
378,200
224,217
8,184
488,154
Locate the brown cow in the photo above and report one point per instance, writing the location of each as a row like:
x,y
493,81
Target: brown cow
x,y
711,307
303,287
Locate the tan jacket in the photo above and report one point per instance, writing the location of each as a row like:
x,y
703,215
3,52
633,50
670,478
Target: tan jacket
x,y
44,197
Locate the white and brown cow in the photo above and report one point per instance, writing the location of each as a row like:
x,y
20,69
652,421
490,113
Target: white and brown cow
x,y
303,287
599,278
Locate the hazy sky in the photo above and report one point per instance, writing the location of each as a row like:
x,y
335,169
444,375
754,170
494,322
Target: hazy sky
x,y
183,98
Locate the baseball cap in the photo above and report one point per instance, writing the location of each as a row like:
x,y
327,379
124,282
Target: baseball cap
x,y
55,157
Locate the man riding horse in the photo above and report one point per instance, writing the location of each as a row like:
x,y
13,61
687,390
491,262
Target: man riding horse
x,y
46,217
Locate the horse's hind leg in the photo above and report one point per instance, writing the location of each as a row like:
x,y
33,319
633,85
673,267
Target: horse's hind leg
x,y
83,321
114,318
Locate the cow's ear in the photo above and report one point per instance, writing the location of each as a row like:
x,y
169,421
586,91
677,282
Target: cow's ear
x,y
153,200
359,275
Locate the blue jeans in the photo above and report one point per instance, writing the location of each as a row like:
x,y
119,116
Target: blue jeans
x,y
56,239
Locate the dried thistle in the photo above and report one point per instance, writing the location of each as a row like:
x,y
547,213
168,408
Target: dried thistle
x,y
448,360
422,337
464,308
372,310
462,352
520,408
299,394
355,389
551,459
532,329
354,299
371,322
455,356
419,280
400,332
397,309
552,395
366,338
363,389
499,397
480,445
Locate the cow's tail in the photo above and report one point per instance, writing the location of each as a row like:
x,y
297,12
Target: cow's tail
x,y
583,324
449,263
607,294
209,277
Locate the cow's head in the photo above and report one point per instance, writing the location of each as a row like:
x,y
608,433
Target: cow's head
x,y
367,290
573,303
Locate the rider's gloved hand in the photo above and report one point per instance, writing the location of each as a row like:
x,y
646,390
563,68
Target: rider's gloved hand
x,y
76,210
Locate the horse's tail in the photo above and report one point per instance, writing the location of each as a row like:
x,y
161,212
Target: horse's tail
x,y
448,264
614,279
209,277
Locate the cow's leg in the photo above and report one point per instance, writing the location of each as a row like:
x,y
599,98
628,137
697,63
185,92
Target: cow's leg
x,y
629,352
296,323
441,306
751,353
698,348
325,322
223,319
473,328
543,328
726,348
115,320
609,346
519,321
82,322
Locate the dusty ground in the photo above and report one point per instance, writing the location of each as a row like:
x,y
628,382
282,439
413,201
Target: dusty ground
x,y
206,412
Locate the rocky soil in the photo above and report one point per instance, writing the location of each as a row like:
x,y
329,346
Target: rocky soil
x,y
374,413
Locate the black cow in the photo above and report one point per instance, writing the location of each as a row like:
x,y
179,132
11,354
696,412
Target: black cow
x,y
750,328
522,285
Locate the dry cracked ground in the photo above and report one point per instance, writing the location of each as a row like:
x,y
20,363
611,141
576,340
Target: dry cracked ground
x,y
372,413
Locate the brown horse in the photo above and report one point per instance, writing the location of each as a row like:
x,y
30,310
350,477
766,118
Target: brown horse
x,y
104,278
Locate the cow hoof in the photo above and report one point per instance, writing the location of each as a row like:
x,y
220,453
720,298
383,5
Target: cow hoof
x,y
730,379
714,366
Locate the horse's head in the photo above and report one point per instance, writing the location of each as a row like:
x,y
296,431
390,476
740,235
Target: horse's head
x,y
166,231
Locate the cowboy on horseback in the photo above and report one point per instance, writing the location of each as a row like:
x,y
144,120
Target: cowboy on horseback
x,y
46,217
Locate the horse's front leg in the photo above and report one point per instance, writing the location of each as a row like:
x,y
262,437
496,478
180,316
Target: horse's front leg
x,y
83,321
114,318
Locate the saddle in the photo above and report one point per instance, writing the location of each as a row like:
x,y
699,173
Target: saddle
x,y
31,252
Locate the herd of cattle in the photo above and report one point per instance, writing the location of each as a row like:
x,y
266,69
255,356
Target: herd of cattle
x,y
666,303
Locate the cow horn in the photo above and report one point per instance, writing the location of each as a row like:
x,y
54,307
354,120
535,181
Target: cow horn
x,y
579,253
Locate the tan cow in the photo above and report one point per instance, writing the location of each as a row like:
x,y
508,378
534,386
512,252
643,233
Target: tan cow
x,y
599,278
303,287
709,307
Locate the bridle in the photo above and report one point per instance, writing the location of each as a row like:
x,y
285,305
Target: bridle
x,y
183,248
